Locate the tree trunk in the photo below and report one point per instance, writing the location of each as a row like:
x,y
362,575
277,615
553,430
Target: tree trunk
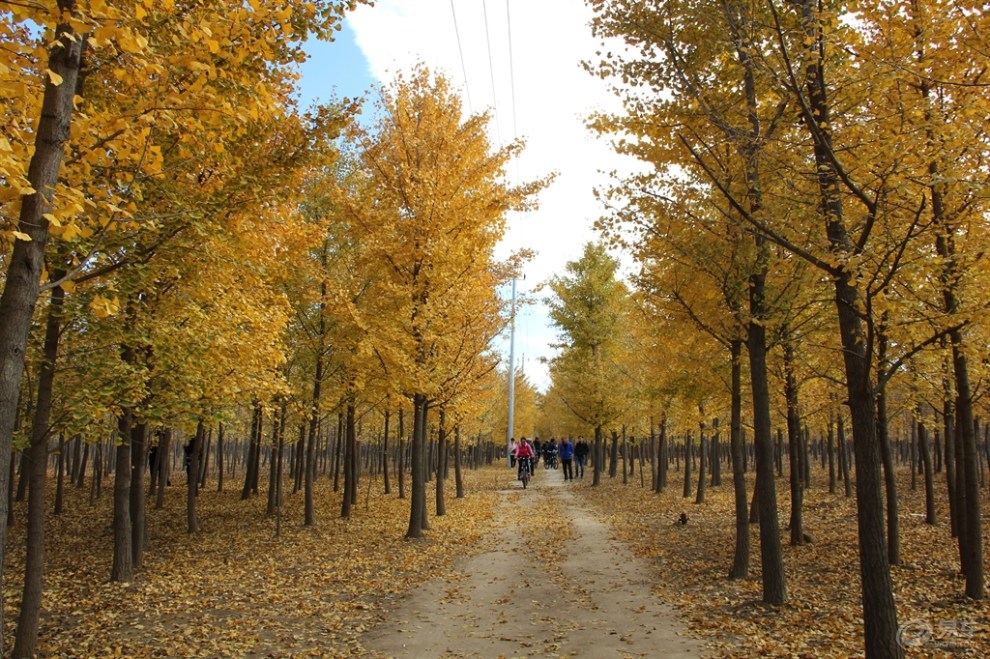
x,y
350,439
879,610
793,442
664,456
441,463
458,476
163,466
765,496
278,429
840,437
654,459
613,455
192,483
418,471
703,465
740,560
23,474
400,462
926,461
26,641
831,457
598,451
280,451
388,486
204,462
220,457
25,263
716,456
60,477
688,457
890,479
251,465
123,566
139,433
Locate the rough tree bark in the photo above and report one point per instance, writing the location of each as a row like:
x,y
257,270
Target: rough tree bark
x,y
26,261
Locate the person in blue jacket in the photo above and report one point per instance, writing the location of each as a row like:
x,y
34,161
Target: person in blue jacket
x,y
566,457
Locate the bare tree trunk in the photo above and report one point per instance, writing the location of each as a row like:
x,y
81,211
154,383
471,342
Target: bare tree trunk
x,y
703,465
793,443
252,464
879,610
613,455
192,483
278,430
740,560
60,477
765,495
26,640
890,479
123,565
688,455
139,433
418,495
598,452
350,462
458,476
926,461
220,457
831,457
388,487
163,466
441,463
25,263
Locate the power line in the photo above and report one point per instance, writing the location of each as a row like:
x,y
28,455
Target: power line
x,y
491,72
460,51
512,75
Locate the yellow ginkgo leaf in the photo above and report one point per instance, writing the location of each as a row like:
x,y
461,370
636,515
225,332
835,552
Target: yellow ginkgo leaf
x,y
54,78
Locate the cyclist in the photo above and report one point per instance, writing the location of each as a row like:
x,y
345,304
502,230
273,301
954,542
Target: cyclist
x,y
524,452
550,454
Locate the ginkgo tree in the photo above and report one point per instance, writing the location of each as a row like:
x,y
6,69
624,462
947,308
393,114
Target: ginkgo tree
x,y
429,218
589,306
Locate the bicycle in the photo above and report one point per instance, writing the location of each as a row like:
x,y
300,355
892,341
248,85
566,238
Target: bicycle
x,y
524,473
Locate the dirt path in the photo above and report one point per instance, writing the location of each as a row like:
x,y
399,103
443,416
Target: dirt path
x,y
593,601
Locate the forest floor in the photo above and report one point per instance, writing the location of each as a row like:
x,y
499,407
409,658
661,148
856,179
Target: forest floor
x,y
551,583
609,573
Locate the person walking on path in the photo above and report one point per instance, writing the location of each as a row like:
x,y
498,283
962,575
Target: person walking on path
x,y
580,455
566,457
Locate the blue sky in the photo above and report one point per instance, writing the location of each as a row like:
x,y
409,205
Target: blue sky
x,y
336,69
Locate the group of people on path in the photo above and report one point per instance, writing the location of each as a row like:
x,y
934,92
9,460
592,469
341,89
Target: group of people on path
x,y
573,455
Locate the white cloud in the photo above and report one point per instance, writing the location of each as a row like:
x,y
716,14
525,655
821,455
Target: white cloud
x,y
543,98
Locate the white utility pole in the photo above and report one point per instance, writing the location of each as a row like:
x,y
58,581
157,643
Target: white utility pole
x,y
512,376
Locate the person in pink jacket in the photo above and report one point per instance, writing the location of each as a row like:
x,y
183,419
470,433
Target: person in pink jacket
x,y
524,452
